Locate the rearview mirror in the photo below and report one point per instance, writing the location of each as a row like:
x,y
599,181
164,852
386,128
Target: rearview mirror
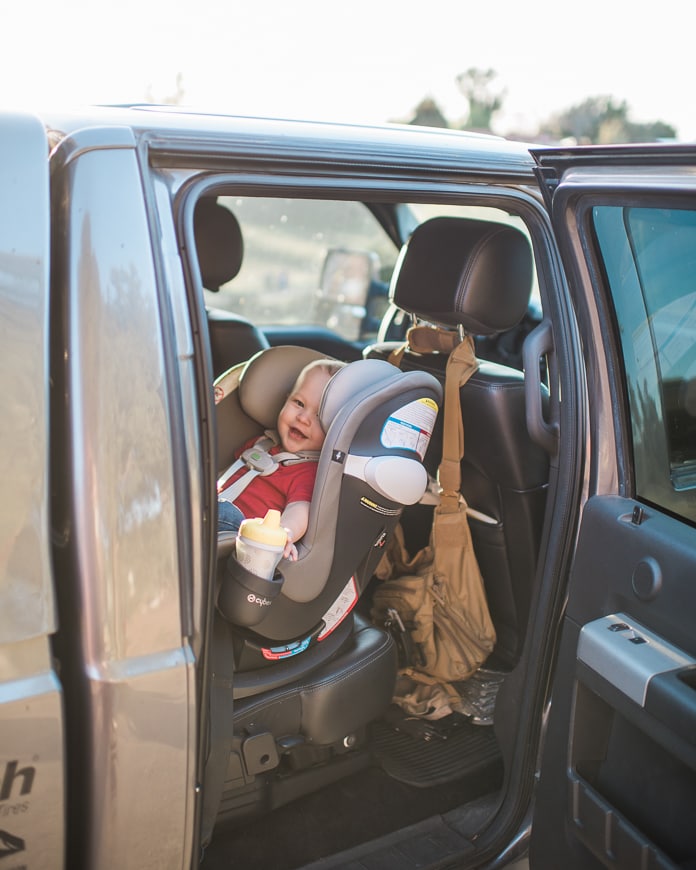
x,y
348,280
346,275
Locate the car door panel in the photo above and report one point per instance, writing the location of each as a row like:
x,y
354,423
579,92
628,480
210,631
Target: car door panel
x,y
624,698
118,499
618,771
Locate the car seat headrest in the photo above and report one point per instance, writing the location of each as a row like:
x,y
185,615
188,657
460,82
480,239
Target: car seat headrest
x,y
349,382
219,243
267,379
463,272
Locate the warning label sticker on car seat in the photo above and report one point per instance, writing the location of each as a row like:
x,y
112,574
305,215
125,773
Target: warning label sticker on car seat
x,y
410,426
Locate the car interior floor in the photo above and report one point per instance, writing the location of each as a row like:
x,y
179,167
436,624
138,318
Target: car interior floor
x,y
413,771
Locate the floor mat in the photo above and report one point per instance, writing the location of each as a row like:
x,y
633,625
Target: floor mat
x,y
423,753
420,771
368,805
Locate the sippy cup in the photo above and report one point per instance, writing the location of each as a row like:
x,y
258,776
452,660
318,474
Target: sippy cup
x,y
260,544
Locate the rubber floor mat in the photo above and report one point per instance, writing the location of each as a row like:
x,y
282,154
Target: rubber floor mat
x,y
423,753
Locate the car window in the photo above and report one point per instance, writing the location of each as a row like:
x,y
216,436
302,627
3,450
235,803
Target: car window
x,y
650,260
323,262
309,262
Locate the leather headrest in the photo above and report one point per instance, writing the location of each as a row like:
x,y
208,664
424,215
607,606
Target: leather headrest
x,y
457,271
219,243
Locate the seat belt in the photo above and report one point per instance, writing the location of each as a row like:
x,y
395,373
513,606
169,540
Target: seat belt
x,y
259,462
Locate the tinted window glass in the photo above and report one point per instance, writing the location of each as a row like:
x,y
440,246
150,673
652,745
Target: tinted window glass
x,y
650,261
310,262
323,262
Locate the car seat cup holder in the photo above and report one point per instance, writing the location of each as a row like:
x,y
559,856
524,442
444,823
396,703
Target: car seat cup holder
x,y
251,581
245,598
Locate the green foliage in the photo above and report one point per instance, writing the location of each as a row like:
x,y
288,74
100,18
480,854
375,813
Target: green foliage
x,y
476,86
428,114
602,121
599,120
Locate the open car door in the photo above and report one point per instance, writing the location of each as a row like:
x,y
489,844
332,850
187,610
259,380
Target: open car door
x,y
618,772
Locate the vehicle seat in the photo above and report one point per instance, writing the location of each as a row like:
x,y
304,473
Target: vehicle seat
x,y
476,276
377,421
220,250
311,674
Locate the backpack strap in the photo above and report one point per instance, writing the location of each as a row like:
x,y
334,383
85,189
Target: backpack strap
x,y
461,365
425,339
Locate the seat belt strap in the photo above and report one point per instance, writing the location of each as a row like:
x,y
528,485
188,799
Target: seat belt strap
x,y
259,463
257,460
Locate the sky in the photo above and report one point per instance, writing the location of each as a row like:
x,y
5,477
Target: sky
x,y
367,60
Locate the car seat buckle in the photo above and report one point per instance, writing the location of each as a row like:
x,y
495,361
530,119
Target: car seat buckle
x,y
259,461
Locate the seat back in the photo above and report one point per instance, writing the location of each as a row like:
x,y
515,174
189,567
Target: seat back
x,y
220,251
378,422
476,276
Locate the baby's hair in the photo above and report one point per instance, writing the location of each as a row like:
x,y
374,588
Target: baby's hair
x,y
329,366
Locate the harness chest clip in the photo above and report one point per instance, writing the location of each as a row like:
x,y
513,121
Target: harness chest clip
x,y
259,461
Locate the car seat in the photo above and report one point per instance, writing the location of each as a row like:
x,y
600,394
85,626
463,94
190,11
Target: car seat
x,y
378,422
310,673
475,276
220,251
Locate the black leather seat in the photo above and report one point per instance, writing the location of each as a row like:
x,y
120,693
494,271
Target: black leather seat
x,y
220,251
233,339
476,276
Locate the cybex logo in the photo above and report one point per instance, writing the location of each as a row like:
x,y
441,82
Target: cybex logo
x,y
16,781
256,599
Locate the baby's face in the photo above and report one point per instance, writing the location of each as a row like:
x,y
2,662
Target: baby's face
x,y
298,421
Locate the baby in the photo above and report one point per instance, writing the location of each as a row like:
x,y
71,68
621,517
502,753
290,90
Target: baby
x,y
289,488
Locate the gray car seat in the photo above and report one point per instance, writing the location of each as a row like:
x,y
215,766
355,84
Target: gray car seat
x,y
377,421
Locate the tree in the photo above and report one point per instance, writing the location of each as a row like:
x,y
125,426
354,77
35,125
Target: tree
x,y
651,132
602,121
428,114
475,85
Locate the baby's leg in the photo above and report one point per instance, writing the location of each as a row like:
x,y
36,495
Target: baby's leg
x,y
229,516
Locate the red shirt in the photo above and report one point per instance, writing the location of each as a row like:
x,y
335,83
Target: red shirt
x,y
287,484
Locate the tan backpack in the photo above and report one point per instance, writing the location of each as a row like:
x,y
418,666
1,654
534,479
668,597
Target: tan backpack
x,y
434,602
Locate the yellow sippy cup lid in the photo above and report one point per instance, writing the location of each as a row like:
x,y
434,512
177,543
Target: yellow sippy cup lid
x,y
266,530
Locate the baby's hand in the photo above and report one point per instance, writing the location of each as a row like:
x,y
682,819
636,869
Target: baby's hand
x,y
290,551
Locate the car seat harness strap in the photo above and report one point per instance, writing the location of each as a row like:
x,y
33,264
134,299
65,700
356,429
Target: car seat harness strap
x,y
259,462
